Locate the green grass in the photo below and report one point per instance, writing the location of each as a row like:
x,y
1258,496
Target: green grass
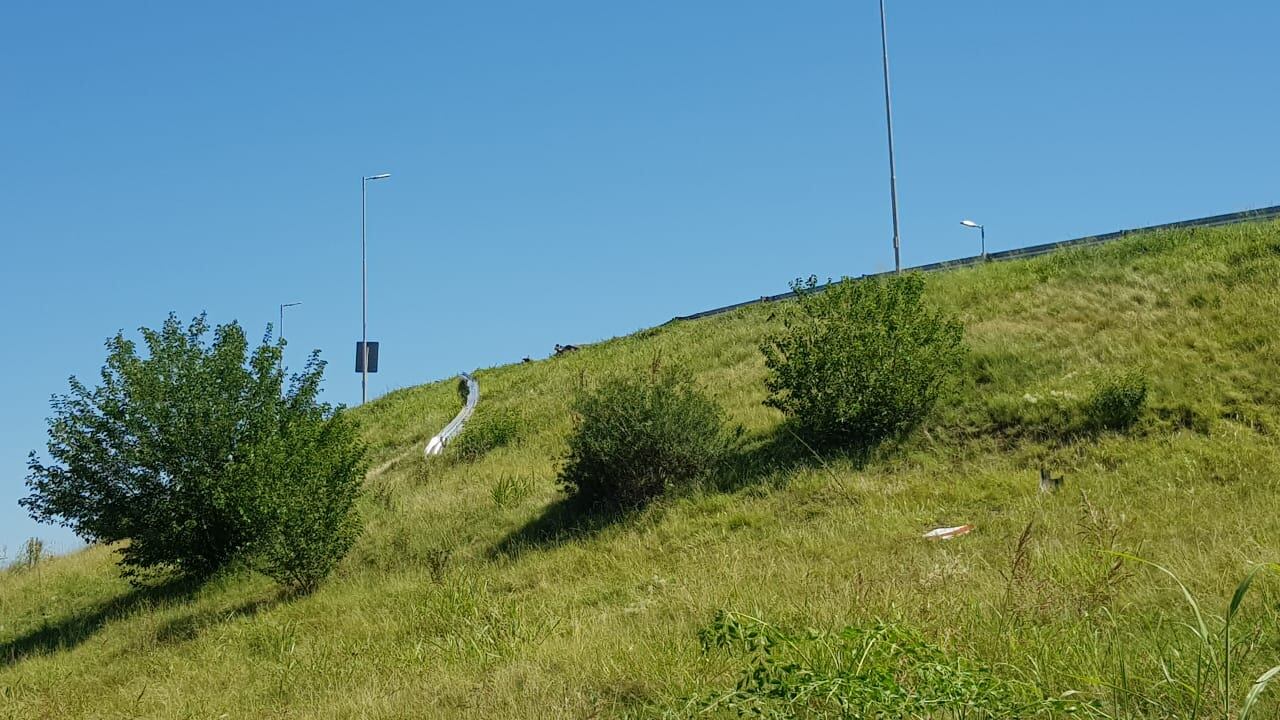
x,y
468,596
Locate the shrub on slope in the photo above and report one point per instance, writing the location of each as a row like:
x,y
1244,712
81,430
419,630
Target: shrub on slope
x,y
861,362
1116,400
636,437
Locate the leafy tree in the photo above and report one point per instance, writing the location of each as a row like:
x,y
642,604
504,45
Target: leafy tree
x,y
862,361
197,454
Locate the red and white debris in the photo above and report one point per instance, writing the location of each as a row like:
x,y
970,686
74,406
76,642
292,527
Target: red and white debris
x,y
947,533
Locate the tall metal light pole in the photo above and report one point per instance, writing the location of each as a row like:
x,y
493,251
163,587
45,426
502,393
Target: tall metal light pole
x,y
282,307
983,230
364,290
888,116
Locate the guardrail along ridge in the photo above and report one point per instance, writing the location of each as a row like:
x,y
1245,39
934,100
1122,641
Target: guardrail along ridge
x,y
1267,213
436,444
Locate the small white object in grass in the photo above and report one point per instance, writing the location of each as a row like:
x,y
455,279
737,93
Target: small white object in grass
x,y
947,533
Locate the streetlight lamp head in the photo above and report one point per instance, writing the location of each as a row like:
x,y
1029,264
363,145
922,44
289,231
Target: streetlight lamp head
x,y
970,223
379,177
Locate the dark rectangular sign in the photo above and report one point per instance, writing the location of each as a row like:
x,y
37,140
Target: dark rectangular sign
x,y
373,357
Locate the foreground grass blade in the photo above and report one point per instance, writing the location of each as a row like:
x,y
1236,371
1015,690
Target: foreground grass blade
x,y
1200,629
1255,692
1236,599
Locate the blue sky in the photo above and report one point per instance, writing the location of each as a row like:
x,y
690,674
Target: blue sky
x,y
568,171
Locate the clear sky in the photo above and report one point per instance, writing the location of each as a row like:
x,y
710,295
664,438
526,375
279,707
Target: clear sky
x,y
566,171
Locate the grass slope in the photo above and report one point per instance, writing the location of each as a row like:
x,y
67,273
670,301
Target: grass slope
x,y
467,596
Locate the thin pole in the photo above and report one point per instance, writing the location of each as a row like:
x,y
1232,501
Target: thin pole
x,y
280,342
364,301
983,230
282,307
888,116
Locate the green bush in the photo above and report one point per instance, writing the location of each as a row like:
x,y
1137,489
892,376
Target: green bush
x,y
197,454
861,362
487,430
1116,401
636,437
298,505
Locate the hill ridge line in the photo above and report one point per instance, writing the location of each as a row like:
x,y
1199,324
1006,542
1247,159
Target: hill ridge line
x,y
1243,216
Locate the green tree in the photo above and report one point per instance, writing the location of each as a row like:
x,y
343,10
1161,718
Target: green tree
x,y
197,454
861,361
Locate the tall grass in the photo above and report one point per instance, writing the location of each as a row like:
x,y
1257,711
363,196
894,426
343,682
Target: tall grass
x,y
1195,682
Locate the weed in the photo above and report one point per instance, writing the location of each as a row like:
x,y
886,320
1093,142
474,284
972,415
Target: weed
x,y
31,555
1204,298
437,560
1116,400
1098,583
1025,594
510,490
880,670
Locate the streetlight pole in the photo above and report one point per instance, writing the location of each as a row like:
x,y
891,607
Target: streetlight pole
x,y
888,117
364,290
282,307
982,229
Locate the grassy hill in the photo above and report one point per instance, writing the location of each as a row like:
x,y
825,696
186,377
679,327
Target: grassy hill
x,y
471,595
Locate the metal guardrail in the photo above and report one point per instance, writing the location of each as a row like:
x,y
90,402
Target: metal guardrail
x,y
1268,213
436,445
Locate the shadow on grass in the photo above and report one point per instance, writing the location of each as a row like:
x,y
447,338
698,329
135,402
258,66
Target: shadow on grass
x,y
71,631
767,459
562,521
772,458
188,627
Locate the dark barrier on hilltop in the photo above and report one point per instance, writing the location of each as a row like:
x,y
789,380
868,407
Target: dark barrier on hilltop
x,y
1269,213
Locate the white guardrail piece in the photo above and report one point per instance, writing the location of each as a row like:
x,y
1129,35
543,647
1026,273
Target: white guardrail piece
x,y
436,445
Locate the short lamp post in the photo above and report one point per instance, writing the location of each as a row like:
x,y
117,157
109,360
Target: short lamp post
x,y
982,230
